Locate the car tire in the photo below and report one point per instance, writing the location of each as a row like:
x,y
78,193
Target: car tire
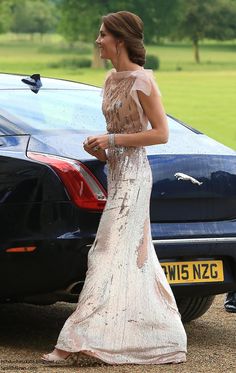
x,y
192,308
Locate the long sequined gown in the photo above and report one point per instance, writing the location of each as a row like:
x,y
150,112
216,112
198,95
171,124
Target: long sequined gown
x,y
126,312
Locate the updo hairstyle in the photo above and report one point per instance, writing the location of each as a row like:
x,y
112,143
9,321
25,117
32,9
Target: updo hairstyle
x,y
128,27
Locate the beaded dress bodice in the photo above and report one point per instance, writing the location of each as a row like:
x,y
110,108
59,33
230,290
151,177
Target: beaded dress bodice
x,y
121,106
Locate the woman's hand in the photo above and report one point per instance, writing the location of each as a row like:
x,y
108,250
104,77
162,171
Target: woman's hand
x,y
100,142
96,145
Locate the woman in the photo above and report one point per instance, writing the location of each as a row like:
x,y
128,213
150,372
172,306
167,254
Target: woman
x,y
126,312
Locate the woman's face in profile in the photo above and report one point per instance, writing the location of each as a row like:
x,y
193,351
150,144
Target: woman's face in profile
x,y
107,44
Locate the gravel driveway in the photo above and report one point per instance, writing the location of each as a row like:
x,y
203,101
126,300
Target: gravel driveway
x,y
27,331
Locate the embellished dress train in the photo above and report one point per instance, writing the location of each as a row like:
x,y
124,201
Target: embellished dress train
x,y
126,312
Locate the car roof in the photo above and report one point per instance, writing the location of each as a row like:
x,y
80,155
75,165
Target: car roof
x,y
13,81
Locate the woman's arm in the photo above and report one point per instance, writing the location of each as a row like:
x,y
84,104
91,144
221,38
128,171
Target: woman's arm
x,y
154,110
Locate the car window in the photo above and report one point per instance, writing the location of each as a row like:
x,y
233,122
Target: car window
x,y
51,110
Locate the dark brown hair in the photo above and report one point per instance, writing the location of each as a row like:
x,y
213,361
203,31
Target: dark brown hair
x,y
128,27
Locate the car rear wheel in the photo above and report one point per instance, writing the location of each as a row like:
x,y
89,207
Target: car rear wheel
x,y
192,308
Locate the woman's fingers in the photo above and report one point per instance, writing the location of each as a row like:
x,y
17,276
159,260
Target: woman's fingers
x,y
97,142
99,154
91,142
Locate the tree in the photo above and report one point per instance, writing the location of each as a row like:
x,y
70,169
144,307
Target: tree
x,y
223,25
159,16
34,16
195,19
81,22
5,15
209,18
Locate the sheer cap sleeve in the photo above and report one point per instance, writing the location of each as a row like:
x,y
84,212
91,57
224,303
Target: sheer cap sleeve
x,y
144,81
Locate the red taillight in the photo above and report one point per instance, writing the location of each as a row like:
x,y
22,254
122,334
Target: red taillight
x,y
83,188
21,249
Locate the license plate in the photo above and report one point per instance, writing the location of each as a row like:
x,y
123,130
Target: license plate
x,y
196,271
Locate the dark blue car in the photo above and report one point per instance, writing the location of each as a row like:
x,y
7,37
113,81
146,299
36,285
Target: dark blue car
x,y
52,194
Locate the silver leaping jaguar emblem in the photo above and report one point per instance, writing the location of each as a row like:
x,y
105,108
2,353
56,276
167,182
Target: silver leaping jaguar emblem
x,y
181,176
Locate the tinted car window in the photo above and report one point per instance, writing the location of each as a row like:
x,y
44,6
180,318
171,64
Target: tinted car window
x,y
63,107
51,110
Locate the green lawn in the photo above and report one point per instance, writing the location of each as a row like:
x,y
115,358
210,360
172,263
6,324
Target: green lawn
x,y
202,95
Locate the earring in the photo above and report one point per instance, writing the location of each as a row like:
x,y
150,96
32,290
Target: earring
x,y
117,51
